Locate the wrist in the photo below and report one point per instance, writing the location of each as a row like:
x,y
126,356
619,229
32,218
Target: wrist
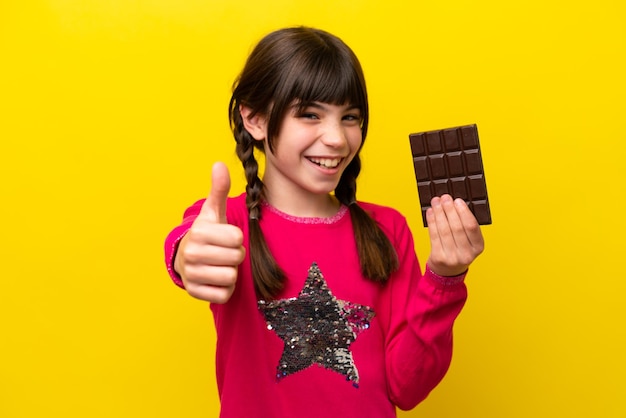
x,y
445,271
445,279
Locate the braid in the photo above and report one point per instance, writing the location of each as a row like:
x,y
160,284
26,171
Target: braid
x,y
254,187
376,253
345,191
268,276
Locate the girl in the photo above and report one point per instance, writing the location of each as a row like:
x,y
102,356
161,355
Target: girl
x,y
320,305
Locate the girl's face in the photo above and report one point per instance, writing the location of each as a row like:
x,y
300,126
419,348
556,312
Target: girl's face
x,y
311,152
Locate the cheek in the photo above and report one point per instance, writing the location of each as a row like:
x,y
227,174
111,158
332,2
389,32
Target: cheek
x,y
356,140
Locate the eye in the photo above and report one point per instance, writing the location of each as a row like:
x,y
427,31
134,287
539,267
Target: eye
x,y
352,118
308,115
306,112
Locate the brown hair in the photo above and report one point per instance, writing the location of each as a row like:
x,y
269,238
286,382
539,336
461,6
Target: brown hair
x,y
305,65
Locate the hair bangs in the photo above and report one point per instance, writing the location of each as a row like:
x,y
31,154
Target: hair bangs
x,y
327,79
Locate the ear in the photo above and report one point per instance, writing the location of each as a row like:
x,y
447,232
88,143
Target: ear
x,y
254,124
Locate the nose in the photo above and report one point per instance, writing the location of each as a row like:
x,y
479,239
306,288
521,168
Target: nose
x,y
334,135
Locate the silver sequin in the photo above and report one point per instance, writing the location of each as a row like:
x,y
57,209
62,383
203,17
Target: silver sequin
x,y
316,328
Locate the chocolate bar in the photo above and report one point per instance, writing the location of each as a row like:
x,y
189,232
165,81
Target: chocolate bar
x,y
449,161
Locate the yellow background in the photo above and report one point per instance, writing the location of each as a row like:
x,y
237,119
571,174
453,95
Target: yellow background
x,y
111,113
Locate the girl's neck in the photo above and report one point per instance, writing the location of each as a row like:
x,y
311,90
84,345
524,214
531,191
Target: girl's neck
x,y
315,206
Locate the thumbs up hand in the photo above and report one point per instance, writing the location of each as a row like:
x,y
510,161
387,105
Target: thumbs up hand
x,y
209,254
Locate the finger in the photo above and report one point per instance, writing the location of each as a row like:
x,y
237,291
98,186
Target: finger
x,y
440,252
204,231
433,219
433,233
214,207
455,223
219,276
450,210
213,294
440,207
227,254
470,225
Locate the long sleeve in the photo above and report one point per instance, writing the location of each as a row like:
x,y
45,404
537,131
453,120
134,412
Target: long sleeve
x,y
418,312
173,239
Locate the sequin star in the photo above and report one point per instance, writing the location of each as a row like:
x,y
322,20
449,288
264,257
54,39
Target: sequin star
x,y
316,328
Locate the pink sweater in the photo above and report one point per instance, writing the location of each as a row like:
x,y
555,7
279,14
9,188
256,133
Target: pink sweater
x,y
333,343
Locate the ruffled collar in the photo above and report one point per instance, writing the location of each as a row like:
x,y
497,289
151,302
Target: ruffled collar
x,y
343,209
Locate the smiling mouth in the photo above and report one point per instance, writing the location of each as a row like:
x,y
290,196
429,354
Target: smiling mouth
x,y
326,162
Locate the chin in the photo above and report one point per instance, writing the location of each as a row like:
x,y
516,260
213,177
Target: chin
x,y
323,190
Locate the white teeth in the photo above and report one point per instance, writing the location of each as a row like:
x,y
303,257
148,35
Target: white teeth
x,y
327,162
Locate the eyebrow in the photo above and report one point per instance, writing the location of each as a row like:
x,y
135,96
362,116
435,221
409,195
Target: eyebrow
x,y
321,106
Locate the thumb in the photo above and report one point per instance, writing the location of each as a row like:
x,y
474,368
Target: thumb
x,y
214,207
